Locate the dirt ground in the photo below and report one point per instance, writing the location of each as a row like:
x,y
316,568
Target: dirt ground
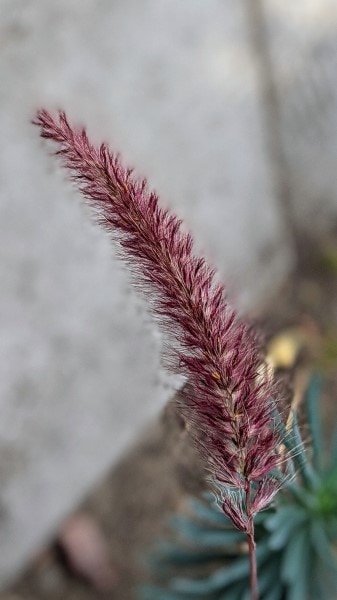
x,y
131,504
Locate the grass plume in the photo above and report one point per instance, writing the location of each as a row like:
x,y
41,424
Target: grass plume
x,y
229,396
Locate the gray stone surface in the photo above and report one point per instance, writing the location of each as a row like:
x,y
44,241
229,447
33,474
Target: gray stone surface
x,y
303,48
173,85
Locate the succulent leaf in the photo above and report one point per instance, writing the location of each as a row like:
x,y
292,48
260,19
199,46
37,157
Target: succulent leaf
x,y
314,421
296,537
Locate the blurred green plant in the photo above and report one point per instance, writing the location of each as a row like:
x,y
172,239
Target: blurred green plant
x,y
328,259
296,537
328,357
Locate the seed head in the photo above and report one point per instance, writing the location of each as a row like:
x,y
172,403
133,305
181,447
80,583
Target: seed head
x,y
229,396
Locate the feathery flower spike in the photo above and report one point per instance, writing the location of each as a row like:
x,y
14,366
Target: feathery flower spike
x,y
229,395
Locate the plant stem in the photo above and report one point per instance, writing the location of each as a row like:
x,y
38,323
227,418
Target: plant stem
x,y
252,563
254,593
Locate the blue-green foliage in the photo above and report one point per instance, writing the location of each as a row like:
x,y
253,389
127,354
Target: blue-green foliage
x,y
296,537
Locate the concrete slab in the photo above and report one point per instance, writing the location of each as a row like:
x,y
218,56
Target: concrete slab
x,y
303,49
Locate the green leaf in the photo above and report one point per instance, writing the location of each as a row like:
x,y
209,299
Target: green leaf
x,y
295,551
204,536
170,554
299,587
314,420
149,592
236,591
245,594
333,453
268,576
283,525
301,584
300,458
284,514
261,517
216,581
275,592
300,494
323,546
209,512
223,577
293,442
